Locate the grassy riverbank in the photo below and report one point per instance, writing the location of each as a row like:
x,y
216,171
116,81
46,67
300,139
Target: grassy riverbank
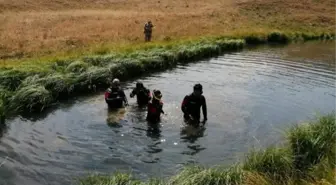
x,y
307,158
54,50
36,85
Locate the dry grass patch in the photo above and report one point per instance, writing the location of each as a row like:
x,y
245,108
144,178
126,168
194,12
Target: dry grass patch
x,y
31,28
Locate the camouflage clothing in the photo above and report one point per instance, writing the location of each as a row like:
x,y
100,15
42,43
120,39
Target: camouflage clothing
x,y
148,31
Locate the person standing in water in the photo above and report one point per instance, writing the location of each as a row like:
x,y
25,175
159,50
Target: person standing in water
x,y
155,110
115,96
191,106
148,31
143,94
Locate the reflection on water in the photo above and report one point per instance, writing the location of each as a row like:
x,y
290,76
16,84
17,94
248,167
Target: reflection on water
x,y
190,135
115,117
153,130
251,97
3,128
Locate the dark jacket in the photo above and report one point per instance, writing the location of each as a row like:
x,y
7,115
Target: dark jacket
x,y
143,95
148,28
154,111
191,105
115,97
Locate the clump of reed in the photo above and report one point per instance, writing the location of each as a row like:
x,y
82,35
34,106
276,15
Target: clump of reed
x,y
30,98
312,143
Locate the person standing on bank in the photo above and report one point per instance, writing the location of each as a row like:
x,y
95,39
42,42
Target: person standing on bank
x,y
148,31
191,106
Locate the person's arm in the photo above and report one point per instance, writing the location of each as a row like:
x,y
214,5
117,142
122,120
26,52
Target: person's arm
x,y
132,93
183,105
204,109
145,28
149,94
161,107
124,96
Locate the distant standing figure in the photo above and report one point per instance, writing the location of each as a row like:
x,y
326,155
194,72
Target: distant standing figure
x,y
148,31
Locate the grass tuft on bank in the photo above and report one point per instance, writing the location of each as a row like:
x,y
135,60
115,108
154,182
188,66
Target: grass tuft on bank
x,y
307,158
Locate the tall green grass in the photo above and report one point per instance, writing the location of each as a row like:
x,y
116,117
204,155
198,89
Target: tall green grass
x,y
4,96
2,112
48,82
307,158
274,163
34,91
311,143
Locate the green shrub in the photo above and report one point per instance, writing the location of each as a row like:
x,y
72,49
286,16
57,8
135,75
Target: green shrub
x,y
11,79
77,67
277,37
275,163
211,176
312,142
254,39
31,98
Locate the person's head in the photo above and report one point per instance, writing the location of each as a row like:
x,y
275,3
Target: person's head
x,y
115,82
149,21
198,89
139,85
157,94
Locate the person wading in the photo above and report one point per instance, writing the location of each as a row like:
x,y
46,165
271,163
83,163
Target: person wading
x,y
191,106
155,110
115,96
142,93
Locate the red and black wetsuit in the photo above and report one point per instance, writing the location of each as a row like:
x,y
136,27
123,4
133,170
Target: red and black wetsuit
x,y
191,105
115,97
154,110
143,95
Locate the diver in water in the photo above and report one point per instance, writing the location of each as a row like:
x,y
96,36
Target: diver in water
x,y
191,106
143,94
115,96
155,106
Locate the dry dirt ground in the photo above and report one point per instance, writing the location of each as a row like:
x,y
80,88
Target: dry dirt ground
x,y
41,27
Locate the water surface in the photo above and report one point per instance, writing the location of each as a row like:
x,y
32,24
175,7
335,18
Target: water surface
x,y
251,95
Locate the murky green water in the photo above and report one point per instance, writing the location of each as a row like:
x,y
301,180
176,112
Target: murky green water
x,y
251,95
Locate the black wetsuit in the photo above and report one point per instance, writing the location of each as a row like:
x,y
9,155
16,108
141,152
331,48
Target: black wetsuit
x,y
143,95
115,97
154,111
191,105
